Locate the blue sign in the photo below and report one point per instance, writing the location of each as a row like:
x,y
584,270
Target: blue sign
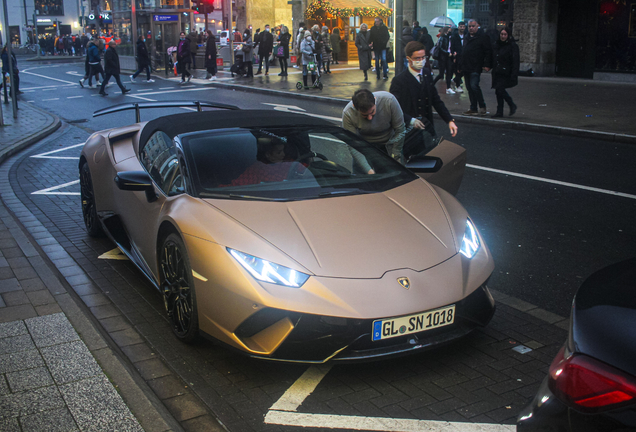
x,y
163,18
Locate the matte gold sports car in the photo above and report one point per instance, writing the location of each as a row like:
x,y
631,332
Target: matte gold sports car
x,y
289,238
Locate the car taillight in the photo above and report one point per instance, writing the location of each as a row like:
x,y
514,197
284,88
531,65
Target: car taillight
x,y
590,385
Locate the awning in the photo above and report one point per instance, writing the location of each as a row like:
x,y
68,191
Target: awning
x,y
347,8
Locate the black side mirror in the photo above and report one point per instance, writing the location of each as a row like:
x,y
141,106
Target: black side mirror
x,y
136,181
424,164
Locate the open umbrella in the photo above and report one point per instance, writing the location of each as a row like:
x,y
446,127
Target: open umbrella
x,y
442,21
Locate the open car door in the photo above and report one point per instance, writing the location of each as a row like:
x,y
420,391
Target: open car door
x,y
443,166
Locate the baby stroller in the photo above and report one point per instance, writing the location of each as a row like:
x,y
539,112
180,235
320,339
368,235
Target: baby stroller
x,y
239,64
312,68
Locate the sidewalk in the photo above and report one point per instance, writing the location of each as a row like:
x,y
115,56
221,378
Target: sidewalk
x,y
595,109
57,371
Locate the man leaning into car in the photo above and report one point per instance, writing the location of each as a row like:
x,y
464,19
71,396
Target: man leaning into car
x,y
377,118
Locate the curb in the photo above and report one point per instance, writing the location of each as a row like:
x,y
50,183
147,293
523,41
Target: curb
x,y
140,399
530,127
33,138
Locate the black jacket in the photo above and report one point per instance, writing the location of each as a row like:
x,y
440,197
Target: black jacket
x,y
477,53
418,99
142,54
379,37
505,62
456,42
265,43
427,40
210,53
111,61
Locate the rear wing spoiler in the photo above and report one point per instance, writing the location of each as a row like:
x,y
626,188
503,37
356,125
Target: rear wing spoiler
x,y
137,106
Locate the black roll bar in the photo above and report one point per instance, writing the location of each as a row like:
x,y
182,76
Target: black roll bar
x,y
137,106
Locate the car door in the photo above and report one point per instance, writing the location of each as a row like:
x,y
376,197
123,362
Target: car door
x,y
449,176
141,216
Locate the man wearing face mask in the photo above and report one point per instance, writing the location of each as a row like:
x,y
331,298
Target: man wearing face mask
x,y
265,47
417,96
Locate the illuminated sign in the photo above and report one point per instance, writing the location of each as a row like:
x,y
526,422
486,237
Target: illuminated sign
x,y
163,18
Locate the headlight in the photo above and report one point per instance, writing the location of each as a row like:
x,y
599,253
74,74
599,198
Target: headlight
x,y
266,271
470,242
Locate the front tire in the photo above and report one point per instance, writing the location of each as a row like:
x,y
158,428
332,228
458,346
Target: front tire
x,y
178,289
89,211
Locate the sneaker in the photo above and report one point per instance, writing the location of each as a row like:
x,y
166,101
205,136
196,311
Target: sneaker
x,y
103,94
483,111
450,91
81,83
213,78
182,82
470,112
385,77
150,81
188,78
97,83
132,78
459,89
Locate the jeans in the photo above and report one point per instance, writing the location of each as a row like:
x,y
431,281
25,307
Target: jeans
x,y
444,64
141,69
95,70
380,58
474,91
194,60
262,59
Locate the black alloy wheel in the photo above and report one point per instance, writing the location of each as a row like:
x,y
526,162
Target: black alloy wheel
x,y
93,226
178,289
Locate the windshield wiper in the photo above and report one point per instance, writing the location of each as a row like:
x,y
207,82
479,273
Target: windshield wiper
x,y
238,196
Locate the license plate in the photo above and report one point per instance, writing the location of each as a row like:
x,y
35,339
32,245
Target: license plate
x,y
394,327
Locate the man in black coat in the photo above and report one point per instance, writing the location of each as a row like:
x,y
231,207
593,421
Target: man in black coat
x,y
458,38
265,47
417,96
379,38
111,68
143,60
476,56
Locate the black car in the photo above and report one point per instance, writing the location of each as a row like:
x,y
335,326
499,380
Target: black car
x,y
591,384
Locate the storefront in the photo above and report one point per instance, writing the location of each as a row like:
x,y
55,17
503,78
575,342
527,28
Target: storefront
x,y
158,21
348,16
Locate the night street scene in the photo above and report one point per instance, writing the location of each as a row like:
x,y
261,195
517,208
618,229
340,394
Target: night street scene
x,y
318,215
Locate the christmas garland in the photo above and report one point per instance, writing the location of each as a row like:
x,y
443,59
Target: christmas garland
x,y
345,12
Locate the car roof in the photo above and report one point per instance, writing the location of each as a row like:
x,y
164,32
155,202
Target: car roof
x,y
177,124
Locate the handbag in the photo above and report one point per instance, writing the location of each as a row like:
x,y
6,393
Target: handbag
x,y
280,51
245,48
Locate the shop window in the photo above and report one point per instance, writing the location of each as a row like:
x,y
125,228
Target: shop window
x,y
484,5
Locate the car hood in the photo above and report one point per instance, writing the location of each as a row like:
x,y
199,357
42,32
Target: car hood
x,y
361,236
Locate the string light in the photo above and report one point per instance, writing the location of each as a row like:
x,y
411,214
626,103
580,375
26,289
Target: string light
x,y
315,6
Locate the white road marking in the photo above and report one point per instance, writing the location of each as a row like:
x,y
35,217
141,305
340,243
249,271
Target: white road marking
x,y
46,155
144,90
298,110
283,412
50,191
74,73
175,91
165,88
45,100
142,98
557,182
47,77
54,87
49,89
74,97
114,254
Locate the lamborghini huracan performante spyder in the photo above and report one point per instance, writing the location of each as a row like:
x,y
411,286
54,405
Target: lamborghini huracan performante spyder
x,y
286,237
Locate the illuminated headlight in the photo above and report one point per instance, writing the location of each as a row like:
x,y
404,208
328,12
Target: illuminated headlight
x,y
266,271
470,242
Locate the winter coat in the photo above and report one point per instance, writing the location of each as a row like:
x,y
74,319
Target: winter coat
x,y
307,47
477,53
326,47
143,59
248,56
335,43
364,51
111,61
505,61
210,53
379,37
283,39
407,36
183,51
427,40
5,62
299,38
93,53
265,43
194,40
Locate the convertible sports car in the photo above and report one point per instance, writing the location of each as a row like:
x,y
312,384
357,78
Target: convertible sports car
x,y
286,237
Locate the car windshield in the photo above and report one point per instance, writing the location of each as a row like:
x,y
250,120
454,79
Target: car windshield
x,y
287,164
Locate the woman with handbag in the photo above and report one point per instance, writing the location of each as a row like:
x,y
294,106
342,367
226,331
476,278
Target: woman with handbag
x,y
282,51
326,49
506,70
